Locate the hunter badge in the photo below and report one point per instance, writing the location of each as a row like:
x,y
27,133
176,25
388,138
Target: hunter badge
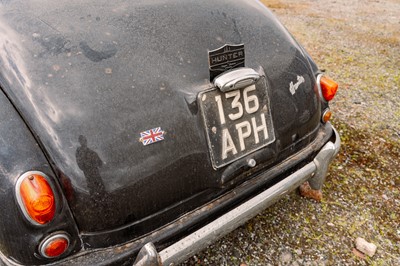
x,y
225,58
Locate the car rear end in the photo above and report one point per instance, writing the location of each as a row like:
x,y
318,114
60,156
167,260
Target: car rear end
x,y
152,126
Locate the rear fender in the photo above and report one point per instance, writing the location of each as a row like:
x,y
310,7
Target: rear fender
x,y
19,154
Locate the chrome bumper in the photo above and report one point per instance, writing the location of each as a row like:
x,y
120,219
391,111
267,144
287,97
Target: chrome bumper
x,y
315,172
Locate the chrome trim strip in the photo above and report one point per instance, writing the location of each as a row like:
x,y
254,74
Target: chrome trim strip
x,y
236,79
148,256
322,161
321,97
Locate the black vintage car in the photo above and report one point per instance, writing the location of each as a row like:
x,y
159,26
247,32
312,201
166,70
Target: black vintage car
x,y
137,132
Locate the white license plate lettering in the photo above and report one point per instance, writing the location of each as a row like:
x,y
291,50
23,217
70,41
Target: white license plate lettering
x,y
250,101
237,122
244,130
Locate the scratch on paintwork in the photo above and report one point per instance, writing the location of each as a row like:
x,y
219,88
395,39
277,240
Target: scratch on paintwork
x,y
294,87
46,23
3,172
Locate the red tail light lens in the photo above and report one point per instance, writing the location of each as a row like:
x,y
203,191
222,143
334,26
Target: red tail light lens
x,y
54,246
36,197
328,88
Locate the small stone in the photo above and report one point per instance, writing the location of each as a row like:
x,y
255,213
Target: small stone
x,y
331,224
56,68
286,257
365,247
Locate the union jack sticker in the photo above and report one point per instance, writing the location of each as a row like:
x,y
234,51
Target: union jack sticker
x,y
151,136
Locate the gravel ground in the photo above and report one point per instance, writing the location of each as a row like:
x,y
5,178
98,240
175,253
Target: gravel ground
x,y
358,44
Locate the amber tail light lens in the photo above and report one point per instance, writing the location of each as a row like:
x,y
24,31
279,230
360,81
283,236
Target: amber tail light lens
x,y
328,87
36,197
326,115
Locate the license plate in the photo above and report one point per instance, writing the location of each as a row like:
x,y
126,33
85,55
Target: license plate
x,y
237,122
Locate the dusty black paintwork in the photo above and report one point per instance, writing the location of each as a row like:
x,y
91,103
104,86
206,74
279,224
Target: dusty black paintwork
x,y
88,77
